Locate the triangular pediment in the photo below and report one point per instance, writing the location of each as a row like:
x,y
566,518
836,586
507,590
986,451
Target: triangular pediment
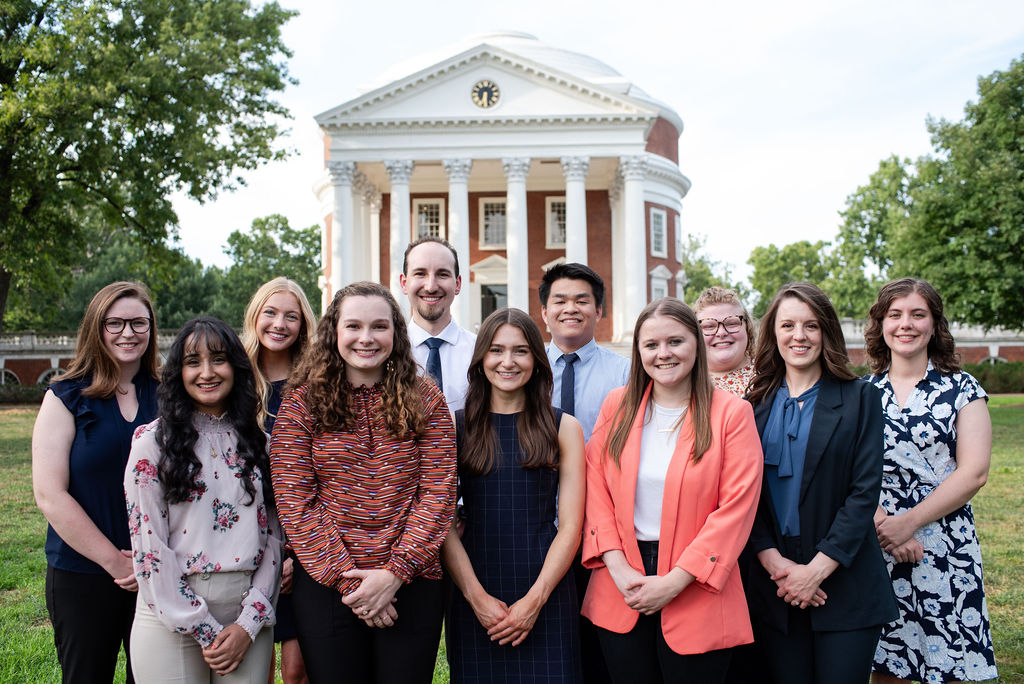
x,y
442,93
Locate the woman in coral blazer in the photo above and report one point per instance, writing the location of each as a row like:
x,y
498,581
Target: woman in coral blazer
x,y
673,475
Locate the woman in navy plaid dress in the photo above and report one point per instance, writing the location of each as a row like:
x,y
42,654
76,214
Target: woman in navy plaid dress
x,y
513,617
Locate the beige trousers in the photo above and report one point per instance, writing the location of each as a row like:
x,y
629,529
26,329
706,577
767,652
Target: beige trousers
x,y
160,655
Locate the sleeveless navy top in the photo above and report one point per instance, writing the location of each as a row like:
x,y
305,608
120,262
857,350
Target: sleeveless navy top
x,y
96,464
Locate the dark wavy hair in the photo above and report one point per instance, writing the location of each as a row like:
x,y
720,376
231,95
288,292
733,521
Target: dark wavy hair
x,y
322,371
536,428
770,369
701,389
941,347
176,433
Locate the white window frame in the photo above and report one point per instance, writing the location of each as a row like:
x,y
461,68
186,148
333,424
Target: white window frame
x,y
659,277
663,252
442,225
549,226
481,227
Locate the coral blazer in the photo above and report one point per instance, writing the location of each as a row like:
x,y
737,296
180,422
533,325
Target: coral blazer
x,y
706,515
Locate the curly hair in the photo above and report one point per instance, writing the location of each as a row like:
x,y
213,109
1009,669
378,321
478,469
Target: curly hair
x,y
92,358
723,295
701,389
251,341
535,426
177,435
322,372
770,368
941,347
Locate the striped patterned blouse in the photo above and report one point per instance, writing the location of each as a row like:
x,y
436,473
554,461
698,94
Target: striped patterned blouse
x,y
364,498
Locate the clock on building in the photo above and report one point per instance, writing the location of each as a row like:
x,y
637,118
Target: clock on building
x,y
485,93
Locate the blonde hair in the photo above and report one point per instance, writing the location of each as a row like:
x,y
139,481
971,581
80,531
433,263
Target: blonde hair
x,y
251,341
724,295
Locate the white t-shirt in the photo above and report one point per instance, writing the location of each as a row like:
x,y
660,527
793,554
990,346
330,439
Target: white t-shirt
x,y
657,444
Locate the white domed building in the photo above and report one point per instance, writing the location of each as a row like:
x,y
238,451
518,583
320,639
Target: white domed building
x,y
522,155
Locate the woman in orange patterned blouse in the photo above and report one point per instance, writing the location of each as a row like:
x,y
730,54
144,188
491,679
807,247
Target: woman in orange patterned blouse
x,y
729,337
363,467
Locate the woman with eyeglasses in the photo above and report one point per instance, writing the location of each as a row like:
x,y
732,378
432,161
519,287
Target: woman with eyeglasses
x,y
729,337
80,448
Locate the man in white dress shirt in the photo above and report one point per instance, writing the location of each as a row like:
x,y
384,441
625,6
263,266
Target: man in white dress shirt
x,y
430,278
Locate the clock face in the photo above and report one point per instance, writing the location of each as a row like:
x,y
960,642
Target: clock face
x,y
485,93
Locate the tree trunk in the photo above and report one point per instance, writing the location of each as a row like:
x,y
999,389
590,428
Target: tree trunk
x,y
5,288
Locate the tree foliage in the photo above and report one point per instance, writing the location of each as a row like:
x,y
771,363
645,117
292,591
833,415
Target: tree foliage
x,y
703,272
111,105
776,266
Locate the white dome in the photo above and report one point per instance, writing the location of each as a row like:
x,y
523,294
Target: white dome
x,y
529,47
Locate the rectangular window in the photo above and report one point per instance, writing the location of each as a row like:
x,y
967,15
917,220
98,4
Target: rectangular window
x,y
659,290
555,222
679,241
492,298
658,230
492,223
428,218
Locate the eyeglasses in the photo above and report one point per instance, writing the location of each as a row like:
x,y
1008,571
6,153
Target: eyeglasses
x,y
709,326
114,326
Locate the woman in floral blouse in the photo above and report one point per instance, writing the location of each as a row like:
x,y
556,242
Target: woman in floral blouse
x,y
938,444
206,550
729,336
363,461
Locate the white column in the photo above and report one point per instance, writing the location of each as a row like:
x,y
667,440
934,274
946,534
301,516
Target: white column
x,y
360,237
458,230
373,200
634,170
342,174
516,243
575,171
399,172
620,327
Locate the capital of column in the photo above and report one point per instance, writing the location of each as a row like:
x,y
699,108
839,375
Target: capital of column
x,y
399,171
633,167
457,169
374,198
616,188
516,168
575,168
342,172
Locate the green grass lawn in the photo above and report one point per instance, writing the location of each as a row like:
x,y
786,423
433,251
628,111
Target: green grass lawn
x,y
26,642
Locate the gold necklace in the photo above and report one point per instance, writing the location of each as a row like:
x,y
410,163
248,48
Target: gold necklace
x,y
673,426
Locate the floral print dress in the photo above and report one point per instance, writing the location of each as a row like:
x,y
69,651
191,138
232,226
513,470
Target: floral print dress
x,y
215,530
943,632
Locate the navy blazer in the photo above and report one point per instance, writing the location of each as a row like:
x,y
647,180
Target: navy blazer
x,y
839,492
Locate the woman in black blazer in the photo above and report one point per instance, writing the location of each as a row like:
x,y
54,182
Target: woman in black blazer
x,y
818,587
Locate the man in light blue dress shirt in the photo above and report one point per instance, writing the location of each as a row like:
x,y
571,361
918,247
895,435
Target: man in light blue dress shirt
x,y
572,300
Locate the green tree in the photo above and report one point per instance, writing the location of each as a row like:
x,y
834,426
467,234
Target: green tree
x,y
776,266
115,104
270,248
965,232
703,272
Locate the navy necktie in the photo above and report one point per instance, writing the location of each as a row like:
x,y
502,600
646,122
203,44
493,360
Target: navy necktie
x,y
569,383
434,360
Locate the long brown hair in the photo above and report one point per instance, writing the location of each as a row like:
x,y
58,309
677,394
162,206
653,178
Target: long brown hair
x,y
770,369
535,426
92,359
941,347
322,370
251,340
701,388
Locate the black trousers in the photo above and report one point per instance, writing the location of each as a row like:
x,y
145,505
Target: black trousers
x,y
643,655
804,656
339,647
92,621
594,669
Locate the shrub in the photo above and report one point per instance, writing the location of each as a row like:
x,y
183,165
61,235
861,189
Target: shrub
x,y
999,378
22,394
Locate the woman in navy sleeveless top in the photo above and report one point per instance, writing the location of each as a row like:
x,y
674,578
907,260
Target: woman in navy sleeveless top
x,y
80,447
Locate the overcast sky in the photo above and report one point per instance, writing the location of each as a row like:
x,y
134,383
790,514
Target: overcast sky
x,y
787,106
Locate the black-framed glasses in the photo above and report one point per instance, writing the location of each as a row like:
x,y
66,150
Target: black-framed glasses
x,y
115,325
709,326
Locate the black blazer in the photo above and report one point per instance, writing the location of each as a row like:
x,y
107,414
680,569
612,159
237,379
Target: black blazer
x,y
838,496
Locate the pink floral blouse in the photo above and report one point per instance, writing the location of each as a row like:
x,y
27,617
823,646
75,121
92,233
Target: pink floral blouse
x,y
213,531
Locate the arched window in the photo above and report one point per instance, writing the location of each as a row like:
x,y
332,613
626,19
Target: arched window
x,y
7,377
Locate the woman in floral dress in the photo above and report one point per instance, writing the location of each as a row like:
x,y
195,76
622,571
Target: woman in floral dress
x,y
205,547
938,440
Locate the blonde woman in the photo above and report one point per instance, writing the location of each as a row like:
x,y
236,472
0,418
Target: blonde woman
x,y
728,333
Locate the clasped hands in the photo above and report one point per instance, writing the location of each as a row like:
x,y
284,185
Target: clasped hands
x,y
896,536
648,594
373,600
508,625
